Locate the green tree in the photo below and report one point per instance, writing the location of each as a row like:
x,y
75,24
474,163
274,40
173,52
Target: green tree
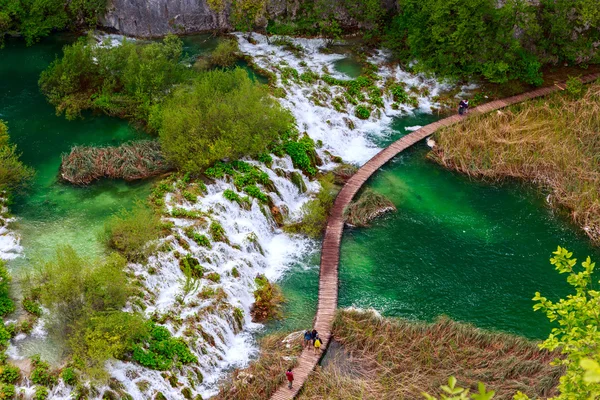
x,y
13,174
578,332
222,114
124,81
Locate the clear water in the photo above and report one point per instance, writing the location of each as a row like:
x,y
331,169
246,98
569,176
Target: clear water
x,y
52,213
474,251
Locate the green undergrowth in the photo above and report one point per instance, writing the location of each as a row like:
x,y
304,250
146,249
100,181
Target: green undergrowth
x,y
85,299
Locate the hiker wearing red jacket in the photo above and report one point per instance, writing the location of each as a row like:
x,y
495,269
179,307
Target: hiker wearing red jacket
x,y
290,377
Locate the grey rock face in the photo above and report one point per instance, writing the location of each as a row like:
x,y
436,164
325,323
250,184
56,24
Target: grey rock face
x,y
152,18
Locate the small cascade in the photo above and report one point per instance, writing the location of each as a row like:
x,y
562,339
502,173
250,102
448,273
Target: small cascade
x,y
10,247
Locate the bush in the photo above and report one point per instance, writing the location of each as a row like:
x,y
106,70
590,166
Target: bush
x,y
13,174
225,54
222,114
124,81
130,232
9,374
41,393
32,307
7,392
6,304
41,374
267,300
159,350
217,232
575,87
362,112
69,376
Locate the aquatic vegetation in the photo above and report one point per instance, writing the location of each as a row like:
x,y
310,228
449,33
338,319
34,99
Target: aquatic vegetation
x,y
191,266
200,239
267,300
124,81
32,307
13,174
41,374
132,232
69,376
392,358
130,161
159,350
551,142
217,232
264,375
9,374
342,173
225,54
362,112
238,119
6,304
367,207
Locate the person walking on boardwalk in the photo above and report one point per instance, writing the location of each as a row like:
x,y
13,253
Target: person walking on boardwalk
x,y
317,344
463,107
307,338
290,377
314,335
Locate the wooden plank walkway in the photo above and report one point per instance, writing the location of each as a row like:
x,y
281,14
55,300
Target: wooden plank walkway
x,y
330,252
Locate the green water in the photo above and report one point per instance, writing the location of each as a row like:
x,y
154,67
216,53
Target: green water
x,y
52,213
470,250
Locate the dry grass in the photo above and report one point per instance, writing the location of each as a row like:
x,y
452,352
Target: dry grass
x,y
130,161
369,206
553,142
398,359
267,373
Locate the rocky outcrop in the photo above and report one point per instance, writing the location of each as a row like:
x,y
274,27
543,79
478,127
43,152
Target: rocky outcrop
x,y
154,18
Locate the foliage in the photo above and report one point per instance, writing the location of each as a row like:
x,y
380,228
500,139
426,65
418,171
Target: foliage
x,y
551,142
41,393
6,304
41,374
315,212
468,37
7,392
199,238
69,376
225,54
577,333
32,306
9,374
34,19
575,87
130,161
159,350
222,114
362,112
124,81
130,232
453,392
267,300
213,276
367,207
191,266
13,174
244,13
73,288
217,232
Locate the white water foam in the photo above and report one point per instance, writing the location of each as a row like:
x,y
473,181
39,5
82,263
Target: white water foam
x,y
10,247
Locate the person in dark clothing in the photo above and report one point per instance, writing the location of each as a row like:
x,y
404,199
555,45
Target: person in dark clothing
x,y
314,335
463,106
307,338
290,377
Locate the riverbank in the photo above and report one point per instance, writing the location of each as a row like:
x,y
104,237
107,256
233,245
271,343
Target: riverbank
x,y
388,358
550,142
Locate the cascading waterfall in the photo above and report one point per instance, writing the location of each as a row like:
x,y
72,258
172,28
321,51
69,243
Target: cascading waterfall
x,y
207,313
10,247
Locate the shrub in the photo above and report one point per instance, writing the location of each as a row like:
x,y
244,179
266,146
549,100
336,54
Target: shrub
x,y
41,374
69,376
32,307
41,393
200,239
254,191
130,231
362,112
369,206
7,392
125,81
9,374
6,304
267,300
222,114
190,265
575,87
159,350
213,276
13,174
217,232
225,54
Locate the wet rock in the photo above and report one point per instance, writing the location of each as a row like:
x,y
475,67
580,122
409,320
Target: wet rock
x,y
277,215
297,180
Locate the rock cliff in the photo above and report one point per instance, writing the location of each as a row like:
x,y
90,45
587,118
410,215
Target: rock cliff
x,y
151,18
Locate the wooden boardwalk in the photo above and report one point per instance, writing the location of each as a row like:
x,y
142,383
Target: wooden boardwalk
x,y
330,252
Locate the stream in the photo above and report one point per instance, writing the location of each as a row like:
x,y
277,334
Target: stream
x,y
470,250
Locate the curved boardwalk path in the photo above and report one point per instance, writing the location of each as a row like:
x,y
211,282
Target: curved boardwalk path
x,y
330,253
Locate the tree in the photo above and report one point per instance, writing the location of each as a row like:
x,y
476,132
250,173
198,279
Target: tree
x,y
222,114
578,331
13,174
